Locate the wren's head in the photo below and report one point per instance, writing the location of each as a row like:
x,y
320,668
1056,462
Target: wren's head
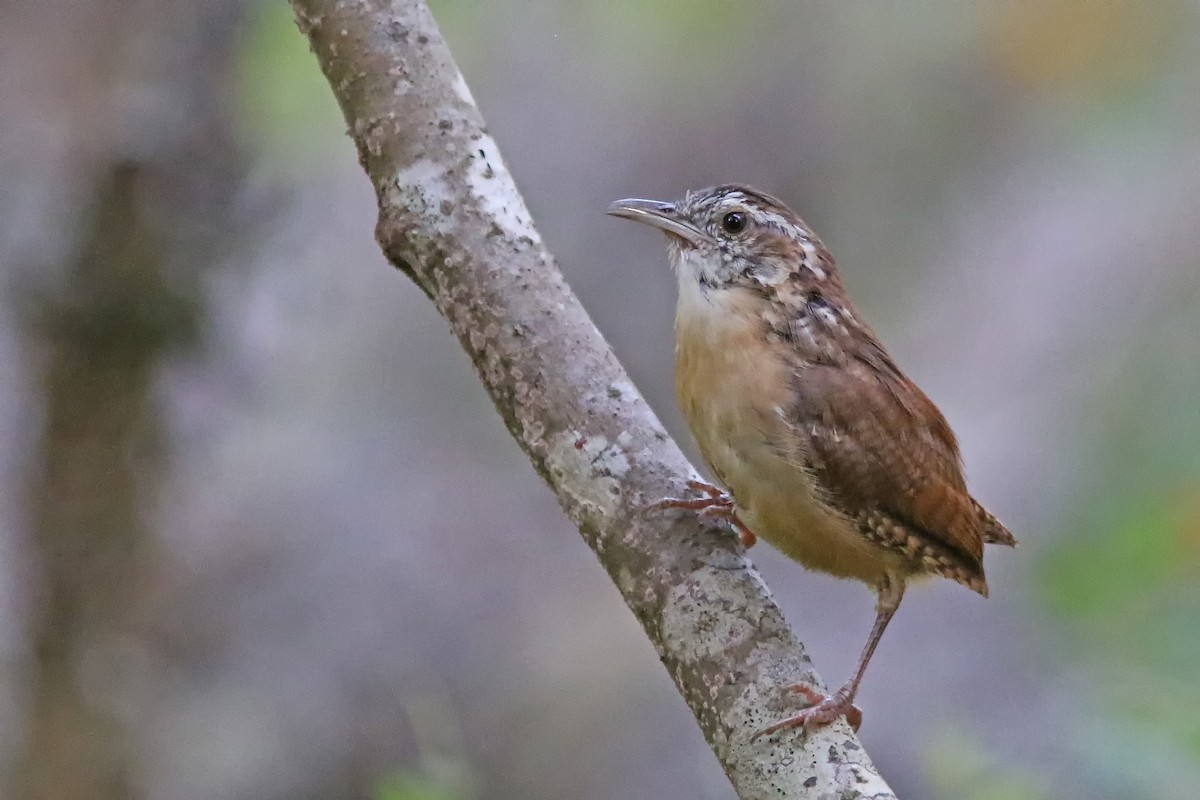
x,y
733,236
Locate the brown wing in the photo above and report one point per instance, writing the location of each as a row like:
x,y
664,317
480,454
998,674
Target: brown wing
x,y
879,446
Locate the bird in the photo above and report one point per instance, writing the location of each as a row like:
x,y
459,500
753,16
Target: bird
x,y
821,445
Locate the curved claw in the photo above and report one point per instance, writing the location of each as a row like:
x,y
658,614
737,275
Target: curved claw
x,y
716,503
745,535
715,498
824,710
714,492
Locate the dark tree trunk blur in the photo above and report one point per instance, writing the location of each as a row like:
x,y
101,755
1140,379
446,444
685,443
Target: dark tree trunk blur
x,y
152,173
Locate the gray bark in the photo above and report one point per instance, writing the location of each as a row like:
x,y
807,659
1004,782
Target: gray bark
x,y
451,219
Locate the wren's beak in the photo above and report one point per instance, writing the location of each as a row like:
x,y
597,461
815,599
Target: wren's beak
x,y
662,216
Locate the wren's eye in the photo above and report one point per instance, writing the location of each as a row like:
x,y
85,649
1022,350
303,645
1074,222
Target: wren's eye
x,y
733,222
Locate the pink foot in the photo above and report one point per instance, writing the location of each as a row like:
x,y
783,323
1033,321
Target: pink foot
x,y
823,711
716,504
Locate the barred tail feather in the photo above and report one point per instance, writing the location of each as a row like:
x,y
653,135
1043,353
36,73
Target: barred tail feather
x,y
994,531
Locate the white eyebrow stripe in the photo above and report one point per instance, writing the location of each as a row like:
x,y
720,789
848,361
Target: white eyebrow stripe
x,y
775,220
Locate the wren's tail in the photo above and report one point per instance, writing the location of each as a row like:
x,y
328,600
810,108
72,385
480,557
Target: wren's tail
x,y
994,531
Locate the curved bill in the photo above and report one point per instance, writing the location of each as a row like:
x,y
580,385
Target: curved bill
x,y
659,215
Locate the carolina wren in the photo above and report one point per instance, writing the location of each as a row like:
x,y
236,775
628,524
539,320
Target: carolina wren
x,y
827,450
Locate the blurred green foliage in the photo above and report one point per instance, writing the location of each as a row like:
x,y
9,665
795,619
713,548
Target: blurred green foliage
x,y
959,768
1121,581
406,785
287,112
1127,552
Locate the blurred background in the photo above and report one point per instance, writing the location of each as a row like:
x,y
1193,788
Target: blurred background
x,y
262,534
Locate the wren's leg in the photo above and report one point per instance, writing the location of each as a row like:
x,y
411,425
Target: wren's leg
x,y
716,504
841,702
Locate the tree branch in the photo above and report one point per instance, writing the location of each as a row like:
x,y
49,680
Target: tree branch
x,y
451,218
